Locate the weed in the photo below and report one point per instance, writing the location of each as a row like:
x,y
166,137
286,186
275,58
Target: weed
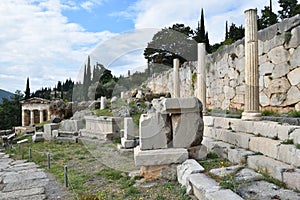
x,y
228,182
217,163
288,141
287,37
110,174
294,113
104,112
269,113
212,155
298,146
194,76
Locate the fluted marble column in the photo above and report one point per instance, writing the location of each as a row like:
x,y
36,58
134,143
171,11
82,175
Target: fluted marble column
x,y
41,116
201,76
23,117
176,83
251,111
31,117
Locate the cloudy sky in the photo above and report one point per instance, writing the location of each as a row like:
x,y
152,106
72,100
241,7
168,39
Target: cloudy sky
x,y
49,40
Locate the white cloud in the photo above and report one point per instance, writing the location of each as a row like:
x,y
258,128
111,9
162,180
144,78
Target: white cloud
x,y
164,13
38,41
89,5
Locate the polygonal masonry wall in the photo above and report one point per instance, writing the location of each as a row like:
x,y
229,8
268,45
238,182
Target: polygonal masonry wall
x,y
279,68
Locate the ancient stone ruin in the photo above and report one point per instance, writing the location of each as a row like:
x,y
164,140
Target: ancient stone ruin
x,y
168,132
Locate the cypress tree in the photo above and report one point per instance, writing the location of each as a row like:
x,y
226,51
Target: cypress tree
x,y
27,91
226,30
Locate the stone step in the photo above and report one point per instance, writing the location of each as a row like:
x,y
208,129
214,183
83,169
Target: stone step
x,y
96,135
287,153
67,139
67,133
267,129
88,140
276,169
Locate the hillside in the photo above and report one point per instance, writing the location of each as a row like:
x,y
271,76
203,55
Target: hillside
x,y
5,94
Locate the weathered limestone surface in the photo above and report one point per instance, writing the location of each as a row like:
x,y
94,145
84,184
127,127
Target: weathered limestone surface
x,y
187,129
159,156
184,170
273,167
48,128
71,125
129,128
155,131
177,105
258,144
292,179
202,185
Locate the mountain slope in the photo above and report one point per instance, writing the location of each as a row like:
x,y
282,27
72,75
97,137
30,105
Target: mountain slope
x,y
5,94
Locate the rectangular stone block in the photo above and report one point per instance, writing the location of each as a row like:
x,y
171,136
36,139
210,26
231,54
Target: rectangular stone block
x,y
265,128
159,156
129,128
177,105
242,126
208,121
236,138
273,167
187,129
238,155
184,170
48,128
292,179
287,153
202,185
265,146
155,131
296,160
103,124
71,125
284,131
209,143
222,195
221,122
127,144
295,136
221,148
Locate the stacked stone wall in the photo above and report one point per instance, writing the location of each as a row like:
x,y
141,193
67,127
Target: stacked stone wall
x,y
279,72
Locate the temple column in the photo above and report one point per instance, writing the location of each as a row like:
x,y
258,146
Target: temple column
x,y
176,83
201,76
48,115
41,116
31,117
251,110
23,117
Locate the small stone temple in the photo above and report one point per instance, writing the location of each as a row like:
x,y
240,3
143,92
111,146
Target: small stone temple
x,y
35,110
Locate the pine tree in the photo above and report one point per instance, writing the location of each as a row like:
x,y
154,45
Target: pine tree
x,y
27,91
289,8
268,17
226,30
201,36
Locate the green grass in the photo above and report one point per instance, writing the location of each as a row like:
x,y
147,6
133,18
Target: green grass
x,y
216,163
212,155
88,178
294,113
104,112
289,141
270,113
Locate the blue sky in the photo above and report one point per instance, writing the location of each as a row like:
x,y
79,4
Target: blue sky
x,y
49,40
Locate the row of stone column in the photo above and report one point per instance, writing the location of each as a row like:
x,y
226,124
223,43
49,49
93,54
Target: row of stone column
x,y
251,111
41,115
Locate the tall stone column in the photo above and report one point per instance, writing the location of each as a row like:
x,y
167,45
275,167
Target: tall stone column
x,y
23,117
201,76
31,117
251,110
176,83
48,114
102,103
41,116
